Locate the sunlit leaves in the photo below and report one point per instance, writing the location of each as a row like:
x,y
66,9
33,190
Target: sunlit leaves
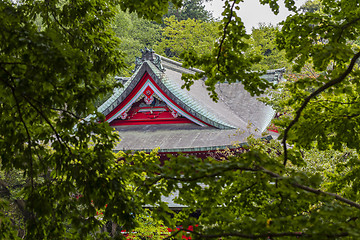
x,y
134,33
149,9
51,73
185,35
324,36
263,43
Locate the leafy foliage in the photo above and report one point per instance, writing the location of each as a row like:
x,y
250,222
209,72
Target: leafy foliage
x,y
245,197
184,35
149,9
310,188
263,43
311,6
148,228
191,9
227,61
134,33
51,75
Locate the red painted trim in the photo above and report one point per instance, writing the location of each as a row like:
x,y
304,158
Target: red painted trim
x,y
273,128
135,91
149,122
156,107
129,97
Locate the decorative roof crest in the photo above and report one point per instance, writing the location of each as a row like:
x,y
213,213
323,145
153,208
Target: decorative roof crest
x,y
148,55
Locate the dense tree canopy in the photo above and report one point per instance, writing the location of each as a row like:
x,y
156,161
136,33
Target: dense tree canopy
x,y
134,34
181,36
263,43
190,9
73,183
311,6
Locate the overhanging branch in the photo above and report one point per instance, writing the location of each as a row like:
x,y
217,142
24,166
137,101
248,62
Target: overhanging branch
x,y
256,236
268,172
19,110
313,95
313,190
224,36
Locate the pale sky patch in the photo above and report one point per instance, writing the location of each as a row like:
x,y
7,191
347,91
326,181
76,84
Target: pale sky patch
x,y
253,13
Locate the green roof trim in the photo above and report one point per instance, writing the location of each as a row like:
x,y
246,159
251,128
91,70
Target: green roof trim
x,y
192,105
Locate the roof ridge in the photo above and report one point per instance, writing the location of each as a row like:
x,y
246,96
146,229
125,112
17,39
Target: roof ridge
x,y
178,64
199,108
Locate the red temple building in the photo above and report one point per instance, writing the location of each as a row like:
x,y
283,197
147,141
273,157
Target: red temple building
x,y
152,111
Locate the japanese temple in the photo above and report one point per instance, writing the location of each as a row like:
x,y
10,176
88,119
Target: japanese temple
x,y
151,110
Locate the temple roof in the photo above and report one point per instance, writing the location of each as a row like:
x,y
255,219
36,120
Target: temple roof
x,y
179,137
214,125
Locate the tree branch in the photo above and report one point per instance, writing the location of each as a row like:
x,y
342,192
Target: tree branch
x,y
224,36
313,95
13,92
346,26
56,20
337,102
255,236
48,122
193,179
313,190
12,63
268,172
68,112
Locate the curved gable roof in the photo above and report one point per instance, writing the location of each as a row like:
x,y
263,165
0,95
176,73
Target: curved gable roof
x,y
180,96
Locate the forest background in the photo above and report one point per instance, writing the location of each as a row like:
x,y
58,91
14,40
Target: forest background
x,y
61,180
